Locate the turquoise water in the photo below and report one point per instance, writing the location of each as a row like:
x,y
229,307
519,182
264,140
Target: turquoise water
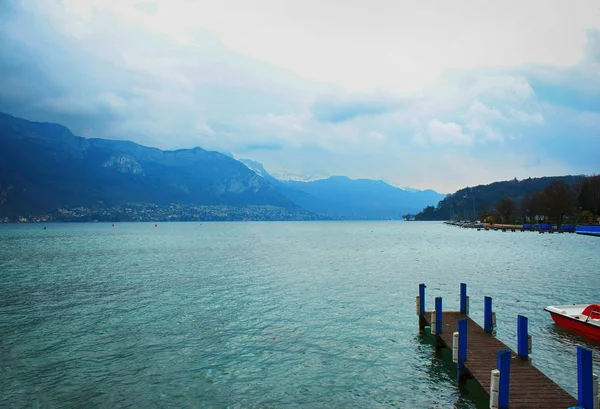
x,y
307,314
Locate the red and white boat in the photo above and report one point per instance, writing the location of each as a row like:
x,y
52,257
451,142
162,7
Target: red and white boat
x,y
582,319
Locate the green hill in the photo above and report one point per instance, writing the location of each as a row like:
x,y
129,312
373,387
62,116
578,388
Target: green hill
x,y
477,200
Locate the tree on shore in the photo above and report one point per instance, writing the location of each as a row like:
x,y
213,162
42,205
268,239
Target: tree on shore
x,y
528,194
560,201
484,211
534,206
506,209
589,194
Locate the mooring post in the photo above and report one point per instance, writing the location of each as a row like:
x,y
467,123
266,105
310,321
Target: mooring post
x,y
462,349
422,299
522,338
487,314
421,307
463,298
438,315
585,384
504,368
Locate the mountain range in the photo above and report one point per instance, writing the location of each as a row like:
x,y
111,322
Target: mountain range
x,y
44,167
340,196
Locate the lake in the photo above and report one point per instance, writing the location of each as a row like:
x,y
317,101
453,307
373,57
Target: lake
x,y
270,315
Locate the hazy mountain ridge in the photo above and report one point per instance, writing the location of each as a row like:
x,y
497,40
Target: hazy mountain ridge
x,y
340,196
359,198
43,166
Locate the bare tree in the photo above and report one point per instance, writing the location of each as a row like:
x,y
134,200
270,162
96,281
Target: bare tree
x,y
589,194
560,200
506,209
534,205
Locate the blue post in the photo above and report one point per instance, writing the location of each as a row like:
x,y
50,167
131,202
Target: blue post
x,y
438,315
487,314
522,338
462,347
422,299
462,340
585,386
504,368
463,298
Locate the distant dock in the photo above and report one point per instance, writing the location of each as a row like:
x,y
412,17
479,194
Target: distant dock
x,y
539,228
509,377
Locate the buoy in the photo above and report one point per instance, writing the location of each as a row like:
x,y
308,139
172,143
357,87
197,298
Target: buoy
x,y
494,388
156,225
455,336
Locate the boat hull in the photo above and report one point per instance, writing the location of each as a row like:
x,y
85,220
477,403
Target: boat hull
x,y
592,230
577,326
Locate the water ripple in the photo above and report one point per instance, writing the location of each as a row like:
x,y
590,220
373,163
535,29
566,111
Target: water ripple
x,y
267,315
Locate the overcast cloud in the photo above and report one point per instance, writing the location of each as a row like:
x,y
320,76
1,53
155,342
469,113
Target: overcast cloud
x,y
424,94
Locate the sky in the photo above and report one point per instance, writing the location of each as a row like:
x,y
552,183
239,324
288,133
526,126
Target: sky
x,y
430,94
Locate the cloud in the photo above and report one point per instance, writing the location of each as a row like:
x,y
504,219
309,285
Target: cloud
x,y
104,104
485,122
562,94
340,109
204,129
448,132
396,45
149,8
376,136
366,92
592,47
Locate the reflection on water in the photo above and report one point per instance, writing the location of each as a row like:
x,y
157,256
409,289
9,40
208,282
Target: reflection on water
x,y
442,371
571,339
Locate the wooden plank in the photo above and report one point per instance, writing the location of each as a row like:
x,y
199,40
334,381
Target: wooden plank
x,y
529,387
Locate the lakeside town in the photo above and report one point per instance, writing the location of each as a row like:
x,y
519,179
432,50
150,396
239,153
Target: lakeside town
x,y
173,212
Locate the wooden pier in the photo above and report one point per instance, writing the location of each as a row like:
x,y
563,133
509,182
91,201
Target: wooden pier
x,y
508,377
529,388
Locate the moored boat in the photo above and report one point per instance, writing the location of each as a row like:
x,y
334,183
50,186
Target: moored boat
x,y
588,230
583,319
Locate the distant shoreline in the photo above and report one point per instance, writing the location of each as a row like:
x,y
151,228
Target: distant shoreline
x,y
199,221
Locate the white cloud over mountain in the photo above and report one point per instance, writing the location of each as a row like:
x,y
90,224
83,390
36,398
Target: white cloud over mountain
x,y
433,97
